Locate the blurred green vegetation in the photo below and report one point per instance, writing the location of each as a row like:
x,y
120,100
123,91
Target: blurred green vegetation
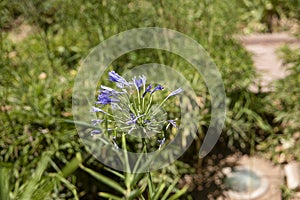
x,y
41,46
265,15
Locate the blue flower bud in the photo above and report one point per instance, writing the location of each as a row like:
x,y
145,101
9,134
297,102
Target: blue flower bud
x,y
159,87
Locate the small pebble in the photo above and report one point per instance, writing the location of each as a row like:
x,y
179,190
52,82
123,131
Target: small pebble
x,y
42,76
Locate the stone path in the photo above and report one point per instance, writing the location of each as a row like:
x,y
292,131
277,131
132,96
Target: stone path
x,y
264,48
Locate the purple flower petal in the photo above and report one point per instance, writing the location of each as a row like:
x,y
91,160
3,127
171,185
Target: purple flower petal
x,y
96,121
148,89
138,83
95,109
114,77
147,121
144,79
95,132
105,99
107,88
133,119
173,123
159,87
175,92
161,142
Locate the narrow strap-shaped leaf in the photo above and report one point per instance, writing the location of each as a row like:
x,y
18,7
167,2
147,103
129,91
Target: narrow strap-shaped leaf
x,y
44,188
158,191
178,193
134,194
71,166
108,181
5,173
115,173
150,186
33,182
79,123
109,196
69,185
169,190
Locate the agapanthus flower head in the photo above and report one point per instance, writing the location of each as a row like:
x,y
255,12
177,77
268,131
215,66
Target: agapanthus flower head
x,y
131,112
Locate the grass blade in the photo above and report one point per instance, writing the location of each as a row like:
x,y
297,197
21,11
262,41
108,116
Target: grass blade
x,y
178,193
159,190
71,166
108,181
169,190
109,196
133,194
36,179
5,173
115,173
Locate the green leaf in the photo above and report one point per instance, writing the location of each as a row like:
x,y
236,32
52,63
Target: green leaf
x,y
5,174
178,193
79,123
134,194
109,196
108,181
43,188
71,166
158,191
31,185
150,185
169,190
115,173
69,185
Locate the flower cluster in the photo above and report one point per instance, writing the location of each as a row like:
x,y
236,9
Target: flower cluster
x,y
133,114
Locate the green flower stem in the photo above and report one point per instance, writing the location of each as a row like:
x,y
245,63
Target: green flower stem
x,y
149,105
139,99
154,112
130,105
135,108
162,103
108,114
